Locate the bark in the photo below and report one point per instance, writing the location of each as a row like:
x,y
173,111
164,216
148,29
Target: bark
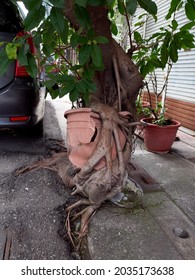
x,y
117,89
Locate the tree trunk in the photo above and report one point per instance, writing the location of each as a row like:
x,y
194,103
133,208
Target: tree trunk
x,y
117,89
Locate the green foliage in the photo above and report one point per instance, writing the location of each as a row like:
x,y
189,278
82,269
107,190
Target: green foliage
x,y
53,36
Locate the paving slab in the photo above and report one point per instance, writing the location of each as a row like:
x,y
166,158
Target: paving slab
x,y
176,176
119,234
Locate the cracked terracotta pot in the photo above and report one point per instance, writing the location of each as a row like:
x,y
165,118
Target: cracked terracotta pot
x,y
83,133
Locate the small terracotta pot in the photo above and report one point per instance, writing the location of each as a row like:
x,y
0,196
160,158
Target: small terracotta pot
x,y
83,133
159,139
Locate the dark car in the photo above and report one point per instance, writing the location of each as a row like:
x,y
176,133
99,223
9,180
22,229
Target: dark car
x,y
22,98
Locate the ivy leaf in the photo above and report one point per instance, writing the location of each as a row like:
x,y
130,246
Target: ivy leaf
x,y
131,6
190,9
149,6
84,54
96,56
34,18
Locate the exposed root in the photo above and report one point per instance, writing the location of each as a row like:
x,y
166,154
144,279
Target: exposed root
x,y
48,163
96,186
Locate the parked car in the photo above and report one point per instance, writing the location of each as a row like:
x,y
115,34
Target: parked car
x,y
22,98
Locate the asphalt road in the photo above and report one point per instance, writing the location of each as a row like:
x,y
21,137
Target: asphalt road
x,y
32,204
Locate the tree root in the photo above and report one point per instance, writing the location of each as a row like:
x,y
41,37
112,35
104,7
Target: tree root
x,y
96,186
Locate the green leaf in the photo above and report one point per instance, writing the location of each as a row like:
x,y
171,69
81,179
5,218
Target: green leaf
x,y
65,33
173,52
95,2
138,38
82,16
81,86
187,26
57,19
101,40
131,6
32,66
74,95
149,6
173,7
74,40
164,49
190,9
114,28
34,18
81,3
22,57
96,56
32,5
84,54
67,88
91,86
11,50
57,3
4,62
174,24
54,93
121,7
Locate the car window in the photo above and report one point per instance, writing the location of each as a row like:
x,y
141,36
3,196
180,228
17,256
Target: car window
x,y
10,20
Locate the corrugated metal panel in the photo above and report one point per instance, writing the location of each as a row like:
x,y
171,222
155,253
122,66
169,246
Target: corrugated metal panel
x,y
153,26
181,85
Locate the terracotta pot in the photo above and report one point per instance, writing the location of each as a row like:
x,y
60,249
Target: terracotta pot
x,y
159,139
83,133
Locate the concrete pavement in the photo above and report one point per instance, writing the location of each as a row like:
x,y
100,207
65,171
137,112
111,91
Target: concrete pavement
x,y
162,228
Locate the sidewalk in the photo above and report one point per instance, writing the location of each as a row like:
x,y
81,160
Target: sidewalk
x,y
165,227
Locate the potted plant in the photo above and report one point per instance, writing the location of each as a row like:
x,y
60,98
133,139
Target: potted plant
x,y
159,131
160,52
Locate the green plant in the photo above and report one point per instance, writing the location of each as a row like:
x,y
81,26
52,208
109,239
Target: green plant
x,y
160,51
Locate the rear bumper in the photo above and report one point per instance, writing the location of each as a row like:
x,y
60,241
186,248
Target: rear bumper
x,y
22,98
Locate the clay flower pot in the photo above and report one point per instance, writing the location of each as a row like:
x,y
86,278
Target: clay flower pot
x,y
159,139
83,133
